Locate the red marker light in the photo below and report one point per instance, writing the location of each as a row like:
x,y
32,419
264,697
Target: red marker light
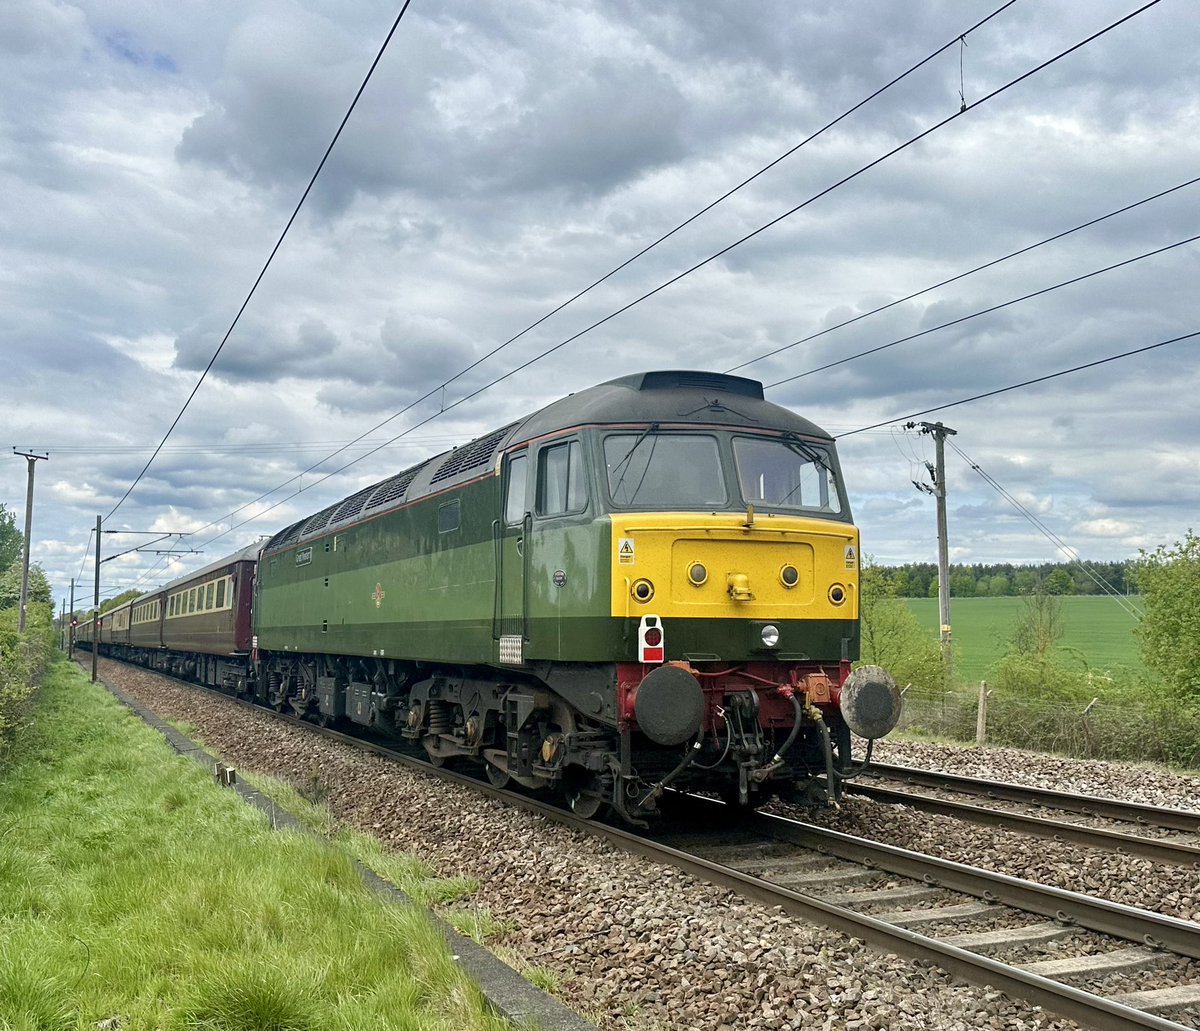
x,y
650,640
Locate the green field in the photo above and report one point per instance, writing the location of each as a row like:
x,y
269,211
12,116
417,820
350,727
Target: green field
x,y
1096,631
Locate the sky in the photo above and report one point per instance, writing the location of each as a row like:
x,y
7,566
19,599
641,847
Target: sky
x,y
503,157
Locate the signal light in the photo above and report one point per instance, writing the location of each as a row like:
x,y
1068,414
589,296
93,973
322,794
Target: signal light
x,y
642,590
650,640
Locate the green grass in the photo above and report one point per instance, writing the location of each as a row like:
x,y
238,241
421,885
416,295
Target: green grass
x,y
131,887
1096,631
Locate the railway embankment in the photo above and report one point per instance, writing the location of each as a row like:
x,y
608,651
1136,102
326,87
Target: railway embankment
x,y
135,892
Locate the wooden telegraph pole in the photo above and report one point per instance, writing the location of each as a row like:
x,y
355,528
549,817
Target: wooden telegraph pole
x,y
31,458
96,604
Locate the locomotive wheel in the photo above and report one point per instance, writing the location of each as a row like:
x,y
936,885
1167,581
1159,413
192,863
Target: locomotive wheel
x,y
497,777
586,795
436,759
586,805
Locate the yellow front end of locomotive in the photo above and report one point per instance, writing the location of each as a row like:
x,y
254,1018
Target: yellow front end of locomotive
x,y
733,565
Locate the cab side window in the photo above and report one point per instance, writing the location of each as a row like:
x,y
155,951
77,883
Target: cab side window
x,y
514,489
562,482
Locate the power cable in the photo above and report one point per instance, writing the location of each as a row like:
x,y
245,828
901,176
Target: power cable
x,y
984,311
270,258
1050,535
829,189
545,353
608,275
962,275
726,195
1019,386
285,447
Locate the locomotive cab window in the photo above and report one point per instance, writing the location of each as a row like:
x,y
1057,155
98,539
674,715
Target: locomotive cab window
x,y
795,474
514,489
659,470
561,480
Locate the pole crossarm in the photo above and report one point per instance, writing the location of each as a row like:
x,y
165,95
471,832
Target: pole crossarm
x,y
162,536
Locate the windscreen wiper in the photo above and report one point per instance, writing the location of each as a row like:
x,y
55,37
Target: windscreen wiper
x,y
652,428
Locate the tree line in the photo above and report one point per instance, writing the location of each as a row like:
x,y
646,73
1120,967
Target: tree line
x,y
1007,579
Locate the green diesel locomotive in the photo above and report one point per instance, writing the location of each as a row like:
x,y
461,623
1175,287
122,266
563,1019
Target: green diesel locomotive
x,y
653,581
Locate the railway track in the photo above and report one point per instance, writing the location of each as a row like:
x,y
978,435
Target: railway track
x,y
917,903
1180,845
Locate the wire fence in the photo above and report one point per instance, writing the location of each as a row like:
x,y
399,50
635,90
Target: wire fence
x,y
1157,730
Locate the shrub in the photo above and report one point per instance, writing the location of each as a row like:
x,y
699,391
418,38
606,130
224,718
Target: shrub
x,y
23,659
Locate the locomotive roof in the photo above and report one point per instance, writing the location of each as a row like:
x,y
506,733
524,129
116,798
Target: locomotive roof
x,y
674,396
678,396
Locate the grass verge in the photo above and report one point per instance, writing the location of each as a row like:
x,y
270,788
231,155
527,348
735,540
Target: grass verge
x,y
135,892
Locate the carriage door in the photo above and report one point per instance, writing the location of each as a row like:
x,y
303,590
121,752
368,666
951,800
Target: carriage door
x,y
512,535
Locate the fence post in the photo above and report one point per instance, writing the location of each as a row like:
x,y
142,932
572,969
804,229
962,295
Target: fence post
x,y
981,717
1087,728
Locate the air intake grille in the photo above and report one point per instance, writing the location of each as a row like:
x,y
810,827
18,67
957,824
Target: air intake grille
x,y
702,381
353,504
476,455
391,490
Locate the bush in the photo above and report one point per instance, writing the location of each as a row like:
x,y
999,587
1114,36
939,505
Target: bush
x,y
23,659
893,638
1169,582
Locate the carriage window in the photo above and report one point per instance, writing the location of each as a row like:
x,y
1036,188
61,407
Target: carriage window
x,y
220,594
787,474
192,600
208,598
664,470
514,491
562,483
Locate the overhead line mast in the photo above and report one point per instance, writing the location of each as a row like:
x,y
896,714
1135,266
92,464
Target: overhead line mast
x,y
938,490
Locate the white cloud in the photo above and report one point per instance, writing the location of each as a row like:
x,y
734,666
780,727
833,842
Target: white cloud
x,y
504,158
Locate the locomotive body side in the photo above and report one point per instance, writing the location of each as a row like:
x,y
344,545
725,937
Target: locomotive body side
x,y
493,602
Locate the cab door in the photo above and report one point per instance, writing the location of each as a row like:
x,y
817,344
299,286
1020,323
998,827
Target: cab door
x,y
511,533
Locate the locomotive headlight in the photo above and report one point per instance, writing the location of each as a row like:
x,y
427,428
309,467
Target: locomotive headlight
x,y
642,590
770,635
837,594
789,575
697,574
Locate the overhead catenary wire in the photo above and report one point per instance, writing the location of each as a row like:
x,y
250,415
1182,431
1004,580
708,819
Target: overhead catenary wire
x,y
1072,555
983,311
728,193
674,279
1024,383
708,207
963,275
725,250
270,257
608,275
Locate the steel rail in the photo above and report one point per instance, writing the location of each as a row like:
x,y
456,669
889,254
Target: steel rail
x,y
1160,850
1181,937
1092,1010
1095,1011
1086,805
